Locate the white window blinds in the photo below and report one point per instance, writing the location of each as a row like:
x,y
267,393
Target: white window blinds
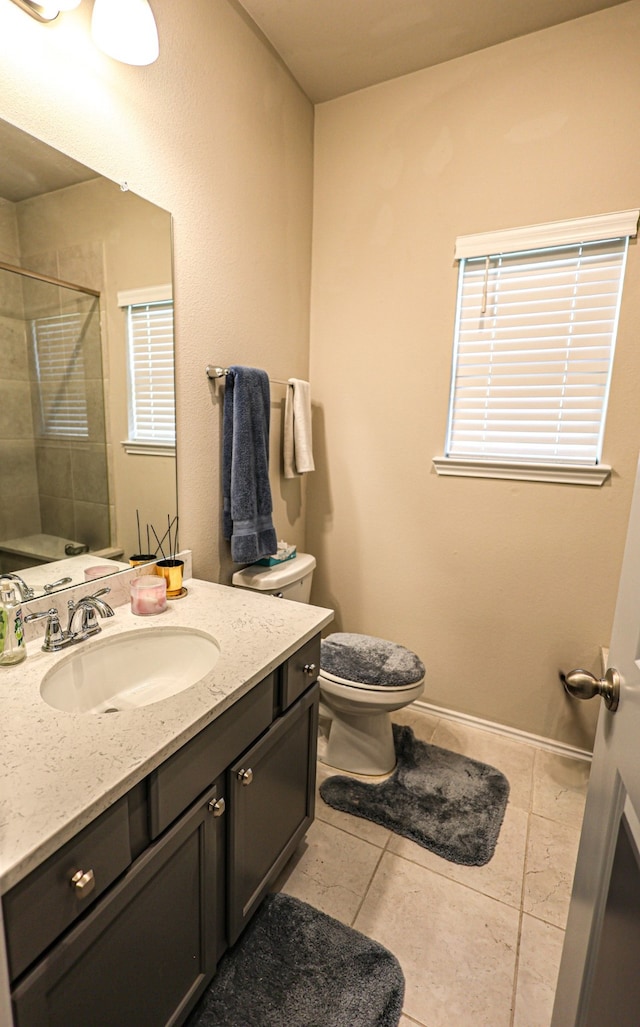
x,y
57,345
151,371
534,341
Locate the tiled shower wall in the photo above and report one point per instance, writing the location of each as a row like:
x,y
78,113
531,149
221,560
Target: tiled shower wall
x,y
55,486
19,508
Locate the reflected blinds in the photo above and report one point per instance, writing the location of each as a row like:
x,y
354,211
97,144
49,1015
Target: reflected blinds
x,y
57,344
534,342
151,372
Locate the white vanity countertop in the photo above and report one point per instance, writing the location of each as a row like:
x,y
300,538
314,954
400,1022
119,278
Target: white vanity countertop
x,y
58,770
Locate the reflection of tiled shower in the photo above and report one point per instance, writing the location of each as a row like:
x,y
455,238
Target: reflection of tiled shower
x,y
53,461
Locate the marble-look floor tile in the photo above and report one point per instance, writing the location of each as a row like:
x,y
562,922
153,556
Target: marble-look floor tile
x,y
538,965
331,870
501,878
560,787
552,849
513,759
457,948
358,826
408,1021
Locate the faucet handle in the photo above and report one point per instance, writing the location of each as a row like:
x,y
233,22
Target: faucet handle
x,y
54,636
56,584
40,616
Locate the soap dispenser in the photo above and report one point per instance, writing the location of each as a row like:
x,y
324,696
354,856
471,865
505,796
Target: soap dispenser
x,y
12,645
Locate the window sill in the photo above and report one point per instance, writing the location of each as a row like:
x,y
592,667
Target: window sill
x,y
147,448
567,474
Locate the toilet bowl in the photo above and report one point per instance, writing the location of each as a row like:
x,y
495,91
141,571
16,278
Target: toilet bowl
x,y
362,679
375,678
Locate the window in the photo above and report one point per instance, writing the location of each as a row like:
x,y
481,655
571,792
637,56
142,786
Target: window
x,y
535,332
152,422
57,346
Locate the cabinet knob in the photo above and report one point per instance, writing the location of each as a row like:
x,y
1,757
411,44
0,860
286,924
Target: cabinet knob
x,y
83,882
245,777
309,668
217,807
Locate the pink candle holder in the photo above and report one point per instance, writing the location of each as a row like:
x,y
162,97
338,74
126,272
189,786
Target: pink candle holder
x,y
98,571
148,595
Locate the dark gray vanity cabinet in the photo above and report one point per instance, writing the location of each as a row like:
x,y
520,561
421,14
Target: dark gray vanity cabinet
x,y
146,951
180,864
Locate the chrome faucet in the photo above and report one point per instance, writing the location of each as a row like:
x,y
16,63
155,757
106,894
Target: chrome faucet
x,y
25,591
84,610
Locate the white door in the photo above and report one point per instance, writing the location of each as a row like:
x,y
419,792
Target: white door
x,y
599,980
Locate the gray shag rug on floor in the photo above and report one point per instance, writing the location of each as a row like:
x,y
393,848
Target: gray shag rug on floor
x,y
445,802
297,967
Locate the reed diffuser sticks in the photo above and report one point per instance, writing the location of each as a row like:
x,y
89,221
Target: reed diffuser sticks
x,y
170,537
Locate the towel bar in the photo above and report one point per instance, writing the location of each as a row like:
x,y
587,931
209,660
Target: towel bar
x,y
214,372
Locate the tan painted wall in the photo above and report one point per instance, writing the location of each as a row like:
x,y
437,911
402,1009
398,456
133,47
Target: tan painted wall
x,y
217,133
496,584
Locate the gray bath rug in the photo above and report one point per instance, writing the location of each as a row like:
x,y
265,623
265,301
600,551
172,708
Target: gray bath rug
x,y
445,802
297,967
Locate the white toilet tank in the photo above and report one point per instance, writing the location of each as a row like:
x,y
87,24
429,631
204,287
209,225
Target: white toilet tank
x,y
290,579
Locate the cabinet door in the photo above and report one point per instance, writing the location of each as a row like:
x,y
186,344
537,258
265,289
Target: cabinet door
x,y
271,805
147,950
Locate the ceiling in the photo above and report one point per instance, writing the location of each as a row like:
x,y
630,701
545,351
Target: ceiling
x,y
30,168
333,47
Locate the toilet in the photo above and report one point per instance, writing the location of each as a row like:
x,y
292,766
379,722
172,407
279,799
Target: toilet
x,y
362,679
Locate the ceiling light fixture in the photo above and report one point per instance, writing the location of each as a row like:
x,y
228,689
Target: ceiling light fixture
x,y
46,11
125,30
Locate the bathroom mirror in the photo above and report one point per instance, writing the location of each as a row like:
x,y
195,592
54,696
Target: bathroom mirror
x,y
88,469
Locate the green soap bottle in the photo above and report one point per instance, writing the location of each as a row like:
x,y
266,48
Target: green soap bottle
x,y
12,645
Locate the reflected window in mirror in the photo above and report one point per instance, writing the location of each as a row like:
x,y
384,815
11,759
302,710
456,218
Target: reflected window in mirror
x,y
150,358
58,347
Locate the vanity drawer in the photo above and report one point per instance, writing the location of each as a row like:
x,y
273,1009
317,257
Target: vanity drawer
x,y
186,774
299,672
41,906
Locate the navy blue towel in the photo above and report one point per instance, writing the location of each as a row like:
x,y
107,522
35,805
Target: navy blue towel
x,y
246,517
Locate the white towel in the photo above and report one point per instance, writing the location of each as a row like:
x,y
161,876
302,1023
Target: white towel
x,y
297,444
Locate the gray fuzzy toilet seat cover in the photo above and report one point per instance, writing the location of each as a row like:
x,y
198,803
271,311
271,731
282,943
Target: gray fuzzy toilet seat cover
x,y
369,661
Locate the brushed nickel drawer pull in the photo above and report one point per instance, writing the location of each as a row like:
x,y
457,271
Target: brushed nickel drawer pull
x,y
245,776
217,807
309,668
83,883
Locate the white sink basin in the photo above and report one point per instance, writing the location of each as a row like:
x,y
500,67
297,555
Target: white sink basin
x,y
126,671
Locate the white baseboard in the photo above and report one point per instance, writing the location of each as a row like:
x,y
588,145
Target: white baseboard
x,y
548,744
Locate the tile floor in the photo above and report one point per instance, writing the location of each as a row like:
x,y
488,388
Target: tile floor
x,y
479,946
